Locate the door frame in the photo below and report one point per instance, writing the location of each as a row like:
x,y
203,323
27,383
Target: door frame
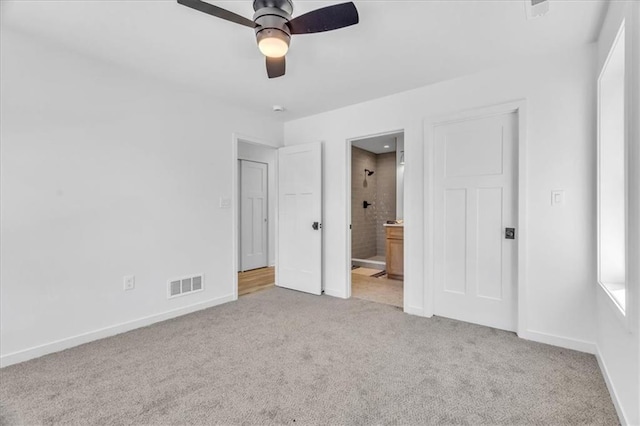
x,y
519,107
348,205
235,202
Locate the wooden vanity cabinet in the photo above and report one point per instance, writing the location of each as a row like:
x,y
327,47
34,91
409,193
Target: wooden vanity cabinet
x,y
395,252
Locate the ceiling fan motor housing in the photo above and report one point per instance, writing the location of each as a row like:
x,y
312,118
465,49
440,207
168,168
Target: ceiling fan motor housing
x,y
271,17
285,6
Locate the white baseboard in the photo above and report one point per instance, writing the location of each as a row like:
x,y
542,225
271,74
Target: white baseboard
x,y
413,310
335,293
69,342
563,342
612,391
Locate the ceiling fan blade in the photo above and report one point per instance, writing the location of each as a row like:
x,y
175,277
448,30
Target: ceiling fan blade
x,y
326,19
218,12
276,67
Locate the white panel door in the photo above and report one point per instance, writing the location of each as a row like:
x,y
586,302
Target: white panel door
x,y
299,265
475,201
253,214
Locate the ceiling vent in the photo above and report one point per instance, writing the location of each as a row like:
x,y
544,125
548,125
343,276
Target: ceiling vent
x,y
185,285
536,8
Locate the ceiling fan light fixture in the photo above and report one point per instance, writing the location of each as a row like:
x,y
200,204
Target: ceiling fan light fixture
x,y
273,43
274,26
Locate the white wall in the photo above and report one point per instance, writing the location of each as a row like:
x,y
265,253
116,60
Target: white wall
x,y
106,174
618,338
252,152
560,267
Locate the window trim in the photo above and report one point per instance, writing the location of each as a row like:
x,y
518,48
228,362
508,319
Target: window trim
x,y
621,311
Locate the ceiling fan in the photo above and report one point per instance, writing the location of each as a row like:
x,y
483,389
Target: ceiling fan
x,y
274,26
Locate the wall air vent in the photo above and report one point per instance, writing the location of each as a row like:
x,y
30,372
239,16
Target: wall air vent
x,y
185,285
536,8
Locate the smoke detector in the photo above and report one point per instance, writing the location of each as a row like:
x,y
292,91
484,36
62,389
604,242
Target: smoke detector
x,y
278,108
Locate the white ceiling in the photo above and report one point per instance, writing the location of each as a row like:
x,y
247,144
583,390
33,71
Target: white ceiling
x,y
398,45
377,144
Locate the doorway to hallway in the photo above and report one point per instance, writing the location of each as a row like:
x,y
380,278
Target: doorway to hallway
x,y
256,280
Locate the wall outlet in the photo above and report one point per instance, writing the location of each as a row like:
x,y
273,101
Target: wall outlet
x,y
129,282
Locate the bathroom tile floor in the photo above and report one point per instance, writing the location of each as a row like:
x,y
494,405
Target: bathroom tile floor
x,y
380,290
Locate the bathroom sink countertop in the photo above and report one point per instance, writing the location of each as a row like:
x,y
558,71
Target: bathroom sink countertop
x,y
393,224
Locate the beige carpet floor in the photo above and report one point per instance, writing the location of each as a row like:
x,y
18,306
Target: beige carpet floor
x,y
283,357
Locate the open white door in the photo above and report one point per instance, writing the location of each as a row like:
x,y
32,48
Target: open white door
x,y
299,265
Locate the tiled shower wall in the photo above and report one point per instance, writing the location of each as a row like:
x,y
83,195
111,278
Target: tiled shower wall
x,y
379,189
386,197
363,221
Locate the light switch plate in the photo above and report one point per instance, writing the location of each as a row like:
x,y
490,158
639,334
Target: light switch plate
x,y
225,203
557,197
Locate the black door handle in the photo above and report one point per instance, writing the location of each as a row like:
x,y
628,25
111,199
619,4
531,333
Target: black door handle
x,y
510,233
316,226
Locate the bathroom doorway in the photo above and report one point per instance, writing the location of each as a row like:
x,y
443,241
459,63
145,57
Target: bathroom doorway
x,y
377,225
